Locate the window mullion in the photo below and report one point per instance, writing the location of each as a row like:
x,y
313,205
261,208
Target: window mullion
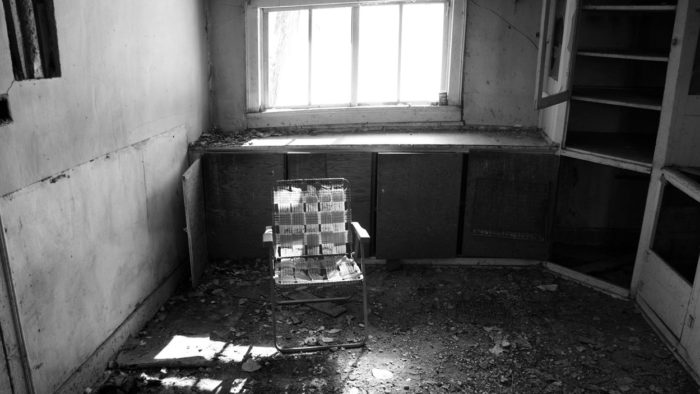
x,y
398,73
309,68
445,47
355,42
264,69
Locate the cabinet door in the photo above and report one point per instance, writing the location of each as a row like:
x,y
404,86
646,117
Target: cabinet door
x,y
418,205
508,204
356,167
238,201
690,341
555,52
668,270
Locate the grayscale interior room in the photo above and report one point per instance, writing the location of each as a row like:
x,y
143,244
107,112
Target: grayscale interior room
x,y
349,196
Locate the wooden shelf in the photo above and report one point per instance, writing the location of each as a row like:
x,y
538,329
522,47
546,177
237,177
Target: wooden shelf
x,y
641,99
631,7
609,54
631,151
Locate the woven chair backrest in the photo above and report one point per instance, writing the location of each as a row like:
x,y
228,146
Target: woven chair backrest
x,y
311,217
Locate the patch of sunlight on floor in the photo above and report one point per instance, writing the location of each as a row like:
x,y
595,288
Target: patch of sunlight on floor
x,y
263,351
187,347
204,385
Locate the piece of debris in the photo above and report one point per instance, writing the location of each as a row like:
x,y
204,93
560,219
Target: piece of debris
x,y
250,365
329,308
496,350
551,287
382,374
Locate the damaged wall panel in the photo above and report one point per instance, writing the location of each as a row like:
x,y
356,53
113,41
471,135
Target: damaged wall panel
x,y
193,193
89,245
238,201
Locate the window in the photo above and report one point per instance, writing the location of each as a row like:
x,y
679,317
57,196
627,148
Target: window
x,y
695,77
381,60
32,32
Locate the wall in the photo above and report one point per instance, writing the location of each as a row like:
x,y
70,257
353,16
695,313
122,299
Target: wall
x,y
499,63
90,171
227,46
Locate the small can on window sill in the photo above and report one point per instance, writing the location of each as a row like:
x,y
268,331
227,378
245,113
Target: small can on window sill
x,y
442,98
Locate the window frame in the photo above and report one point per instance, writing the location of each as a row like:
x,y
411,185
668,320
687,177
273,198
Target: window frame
x,y
257,116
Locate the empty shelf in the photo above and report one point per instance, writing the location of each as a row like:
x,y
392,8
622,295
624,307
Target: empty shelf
x,y
622,97
629,147
631,7
609,54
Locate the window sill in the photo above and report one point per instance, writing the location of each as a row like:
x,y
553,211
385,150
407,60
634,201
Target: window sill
x,y
382,139
354,115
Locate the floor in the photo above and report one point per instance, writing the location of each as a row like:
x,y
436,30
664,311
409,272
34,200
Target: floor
x,y
432,329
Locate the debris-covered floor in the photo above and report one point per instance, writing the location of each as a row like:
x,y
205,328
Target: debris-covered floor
x,y
431,329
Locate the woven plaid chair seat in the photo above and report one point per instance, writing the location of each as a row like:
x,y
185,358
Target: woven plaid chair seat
x,y
314,270
313,241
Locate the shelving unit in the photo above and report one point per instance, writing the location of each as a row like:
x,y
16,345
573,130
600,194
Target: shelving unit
x,y
618,81
630,100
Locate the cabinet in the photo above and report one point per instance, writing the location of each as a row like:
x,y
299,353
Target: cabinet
x,y
613,80
627,97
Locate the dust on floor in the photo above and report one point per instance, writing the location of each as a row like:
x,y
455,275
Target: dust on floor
x,y
431,329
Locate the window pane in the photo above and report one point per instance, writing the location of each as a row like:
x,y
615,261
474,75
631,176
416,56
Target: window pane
x,y
421,51
379,54
331,53
288,58
557,39
695,78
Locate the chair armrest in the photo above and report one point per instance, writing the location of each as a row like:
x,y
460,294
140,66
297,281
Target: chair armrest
x,y
360,233
267,235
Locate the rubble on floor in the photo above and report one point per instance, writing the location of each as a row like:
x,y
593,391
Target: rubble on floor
x,y
432,329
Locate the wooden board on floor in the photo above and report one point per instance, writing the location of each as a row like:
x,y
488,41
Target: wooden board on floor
x,y
508,203
238,201
418,205
356,167
329,308
193,194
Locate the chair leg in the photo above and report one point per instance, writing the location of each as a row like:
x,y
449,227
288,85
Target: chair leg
x,y
303,349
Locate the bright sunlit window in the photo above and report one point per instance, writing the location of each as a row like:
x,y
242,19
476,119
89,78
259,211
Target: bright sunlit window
x,y
352,54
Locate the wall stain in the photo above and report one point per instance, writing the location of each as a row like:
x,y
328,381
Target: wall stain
x,y
59,177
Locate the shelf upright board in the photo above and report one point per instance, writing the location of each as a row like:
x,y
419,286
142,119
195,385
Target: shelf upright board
x,y
679,140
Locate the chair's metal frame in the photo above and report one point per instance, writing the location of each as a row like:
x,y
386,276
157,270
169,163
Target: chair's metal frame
x,y
359,241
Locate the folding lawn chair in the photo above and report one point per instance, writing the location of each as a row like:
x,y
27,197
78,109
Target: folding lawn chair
x,y
313,243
